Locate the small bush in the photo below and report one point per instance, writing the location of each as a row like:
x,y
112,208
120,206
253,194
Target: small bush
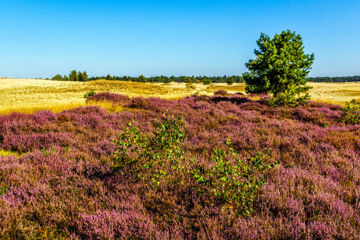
x,y
117,99
139,102
221,92
159,161
151,159
351,112
233,180
3,189
285,99
89,94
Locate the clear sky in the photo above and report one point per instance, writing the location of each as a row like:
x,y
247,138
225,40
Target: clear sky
x,y
173,37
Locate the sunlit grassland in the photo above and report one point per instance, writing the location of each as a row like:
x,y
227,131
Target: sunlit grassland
x,y
32,95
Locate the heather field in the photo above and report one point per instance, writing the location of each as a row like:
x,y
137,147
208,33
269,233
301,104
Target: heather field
x,y
235,168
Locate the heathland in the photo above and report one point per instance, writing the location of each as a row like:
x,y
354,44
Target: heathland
x,y
30,95
160,164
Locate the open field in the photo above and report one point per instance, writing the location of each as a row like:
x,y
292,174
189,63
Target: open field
x,y
30,95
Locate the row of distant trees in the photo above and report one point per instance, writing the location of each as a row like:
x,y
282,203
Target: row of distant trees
x,y
82,76
166,79
73,76
334,79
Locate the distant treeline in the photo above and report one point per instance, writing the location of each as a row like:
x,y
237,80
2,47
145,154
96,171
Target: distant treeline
x,y
186,79
334,79
82,76
73,76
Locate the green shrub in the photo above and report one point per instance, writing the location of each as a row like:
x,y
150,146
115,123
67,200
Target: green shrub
x,y
283,99
89,94
3,189
351,112
159,161
233,180
152,159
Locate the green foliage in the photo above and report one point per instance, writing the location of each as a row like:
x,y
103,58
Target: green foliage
x,y
230,80
82,76
57,77
351,112
85,76
142,79
233,180
280,68
90,93
151,158
108,77
3,189
159,160
207,81
73,75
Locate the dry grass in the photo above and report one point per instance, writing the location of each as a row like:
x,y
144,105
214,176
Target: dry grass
x,y
31,95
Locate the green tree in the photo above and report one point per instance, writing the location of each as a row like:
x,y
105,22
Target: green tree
x,y
73,76
85,76
57,77
108,77
80,76
230,80
280,68
142,79
207,81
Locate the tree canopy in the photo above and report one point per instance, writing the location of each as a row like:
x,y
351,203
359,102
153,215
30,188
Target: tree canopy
x,y
280,68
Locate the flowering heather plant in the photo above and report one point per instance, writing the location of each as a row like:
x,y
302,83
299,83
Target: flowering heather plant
x,y
59,180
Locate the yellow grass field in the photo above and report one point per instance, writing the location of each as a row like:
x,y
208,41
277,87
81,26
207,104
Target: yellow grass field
x,y
31,95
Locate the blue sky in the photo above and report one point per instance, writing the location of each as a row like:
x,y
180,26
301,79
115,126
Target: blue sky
x,y
173,37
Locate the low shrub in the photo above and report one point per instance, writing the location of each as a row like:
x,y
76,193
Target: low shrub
x,y
150,158
89,94
285,99
160,161
139,102
351,112
117,99
221,92
233,180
